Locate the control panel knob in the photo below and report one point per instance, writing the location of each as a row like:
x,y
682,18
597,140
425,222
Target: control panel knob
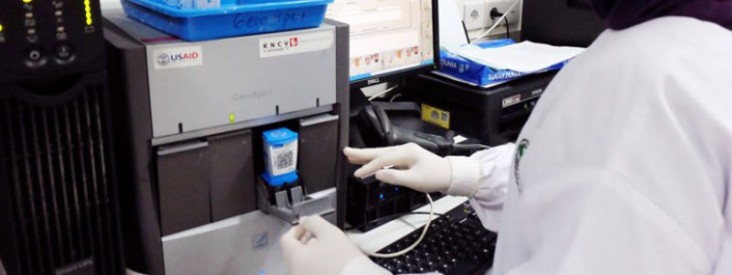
x,y
35,57
64,52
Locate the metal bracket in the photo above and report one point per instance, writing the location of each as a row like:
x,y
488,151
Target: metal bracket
x,y
324,204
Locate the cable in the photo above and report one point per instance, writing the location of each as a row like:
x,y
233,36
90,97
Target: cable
x,y
393,216
394,97
390,217
495,13
383,92
505,13
416,243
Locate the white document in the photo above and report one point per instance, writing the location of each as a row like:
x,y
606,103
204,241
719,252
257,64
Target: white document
x,y
525,57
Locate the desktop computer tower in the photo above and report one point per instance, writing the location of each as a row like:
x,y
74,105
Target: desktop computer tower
x,y
58,206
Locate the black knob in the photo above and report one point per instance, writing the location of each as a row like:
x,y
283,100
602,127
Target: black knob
x,y
35,57
34,54
64,52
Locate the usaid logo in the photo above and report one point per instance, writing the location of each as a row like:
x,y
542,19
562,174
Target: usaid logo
x,y
163,59
178,57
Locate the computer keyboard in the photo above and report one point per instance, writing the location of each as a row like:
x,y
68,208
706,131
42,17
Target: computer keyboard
x,y
455,244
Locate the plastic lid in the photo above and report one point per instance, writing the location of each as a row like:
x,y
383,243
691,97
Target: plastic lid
x,y
227,7
281,179
279,136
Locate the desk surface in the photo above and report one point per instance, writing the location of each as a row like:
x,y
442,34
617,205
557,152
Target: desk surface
x,y
381,236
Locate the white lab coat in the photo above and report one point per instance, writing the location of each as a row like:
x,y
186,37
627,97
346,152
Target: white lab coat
x,y
628,164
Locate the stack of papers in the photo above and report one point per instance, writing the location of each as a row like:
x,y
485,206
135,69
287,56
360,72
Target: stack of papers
x,y
492,63
524,57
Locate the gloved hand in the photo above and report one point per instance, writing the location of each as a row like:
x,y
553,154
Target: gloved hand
x,y
317,247
413,166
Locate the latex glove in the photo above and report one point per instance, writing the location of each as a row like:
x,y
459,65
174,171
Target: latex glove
x,y
413,166
317,247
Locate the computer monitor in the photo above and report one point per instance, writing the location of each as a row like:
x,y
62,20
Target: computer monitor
x,y
389,38
560,22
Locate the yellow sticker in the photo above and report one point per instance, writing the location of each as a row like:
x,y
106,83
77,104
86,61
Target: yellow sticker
x,y
231,118
436,116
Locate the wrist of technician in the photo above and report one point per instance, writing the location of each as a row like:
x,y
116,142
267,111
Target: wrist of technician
x,y
464,176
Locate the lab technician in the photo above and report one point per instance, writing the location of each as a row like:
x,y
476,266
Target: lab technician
x,y
623,168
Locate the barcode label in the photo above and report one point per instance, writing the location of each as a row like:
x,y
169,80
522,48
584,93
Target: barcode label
x,y
284,160
281,159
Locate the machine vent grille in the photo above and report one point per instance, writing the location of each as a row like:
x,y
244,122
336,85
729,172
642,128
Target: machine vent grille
x,y
57,165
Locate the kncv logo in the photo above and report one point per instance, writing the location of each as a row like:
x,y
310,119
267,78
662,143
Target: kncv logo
x,y
178,57
284,45
279,44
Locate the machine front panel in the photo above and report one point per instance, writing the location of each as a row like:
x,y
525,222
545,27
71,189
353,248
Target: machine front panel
x,y
196,86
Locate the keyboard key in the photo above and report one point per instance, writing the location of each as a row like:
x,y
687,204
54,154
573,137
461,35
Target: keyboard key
x,y
456,243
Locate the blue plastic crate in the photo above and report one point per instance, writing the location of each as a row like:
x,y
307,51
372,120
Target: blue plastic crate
x,y
230,19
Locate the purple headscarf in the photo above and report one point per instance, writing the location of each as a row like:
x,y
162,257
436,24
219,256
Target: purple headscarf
x,y
620,14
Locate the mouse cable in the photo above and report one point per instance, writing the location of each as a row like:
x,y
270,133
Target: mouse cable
x,y
416,243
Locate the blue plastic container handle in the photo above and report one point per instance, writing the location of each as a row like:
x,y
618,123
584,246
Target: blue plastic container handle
x,y
228,20
228,8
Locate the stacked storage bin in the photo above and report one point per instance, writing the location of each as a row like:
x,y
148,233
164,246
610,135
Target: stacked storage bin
x,y
195,20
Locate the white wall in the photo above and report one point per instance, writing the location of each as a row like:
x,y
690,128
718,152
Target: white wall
x,y
106,4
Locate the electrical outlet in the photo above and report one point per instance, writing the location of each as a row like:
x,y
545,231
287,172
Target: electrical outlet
x,y
489,6
502,6
514,15
473,15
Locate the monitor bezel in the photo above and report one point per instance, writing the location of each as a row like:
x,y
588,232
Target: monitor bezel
x,y
400,74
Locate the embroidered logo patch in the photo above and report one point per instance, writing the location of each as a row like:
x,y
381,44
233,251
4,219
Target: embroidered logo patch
x,y
520,151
